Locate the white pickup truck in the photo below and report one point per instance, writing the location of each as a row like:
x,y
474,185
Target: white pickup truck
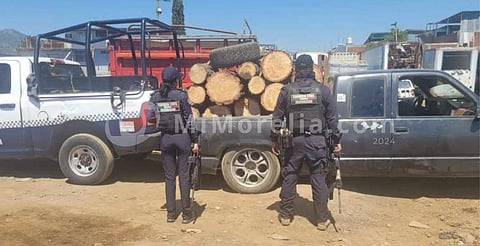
x,y
83,130
51,109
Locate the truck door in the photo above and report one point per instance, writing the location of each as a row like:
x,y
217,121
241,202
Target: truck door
x,y
435,131
11,128
366,140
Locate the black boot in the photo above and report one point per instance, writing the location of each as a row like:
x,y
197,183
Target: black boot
x,y
187,217
171,216
285,221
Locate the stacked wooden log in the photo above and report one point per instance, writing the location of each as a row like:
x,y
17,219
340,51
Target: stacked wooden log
x,y
250,88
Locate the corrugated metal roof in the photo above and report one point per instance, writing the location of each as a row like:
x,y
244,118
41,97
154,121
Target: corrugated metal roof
x,y
457,18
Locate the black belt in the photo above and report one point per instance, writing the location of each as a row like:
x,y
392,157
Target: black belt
x,y
307,134
172,133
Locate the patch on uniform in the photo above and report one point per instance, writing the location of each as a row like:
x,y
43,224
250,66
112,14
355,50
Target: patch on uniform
x,y
301,99
171,106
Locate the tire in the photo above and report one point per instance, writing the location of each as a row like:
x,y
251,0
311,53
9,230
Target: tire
x,y
85,159
234,55
249,170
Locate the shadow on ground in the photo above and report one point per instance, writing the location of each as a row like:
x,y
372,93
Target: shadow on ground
x,y
303,208
30,169
150,170
144,171
463,188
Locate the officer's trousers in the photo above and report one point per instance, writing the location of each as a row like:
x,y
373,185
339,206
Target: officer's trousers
x,y
312,150
173,146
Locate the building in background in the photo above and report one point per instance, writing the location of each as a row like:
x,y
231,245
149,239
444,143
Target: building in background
x,y
74,52
459,30
100,50
49,48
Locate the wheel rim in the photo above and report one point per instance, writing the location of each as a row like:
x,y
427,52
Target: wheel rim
x,y
83,160
250,167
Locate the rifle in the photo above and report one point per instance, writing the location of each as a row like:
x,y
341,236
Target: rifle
x,y
284,142
334,177
194,163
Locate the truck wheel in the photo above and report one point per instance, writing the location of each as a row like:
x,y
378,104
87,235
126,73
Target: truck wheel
x,y
250,170
85,159
234,55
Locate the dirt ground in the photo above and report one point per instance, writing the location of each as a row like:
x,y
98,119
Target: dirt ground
x,y
38,207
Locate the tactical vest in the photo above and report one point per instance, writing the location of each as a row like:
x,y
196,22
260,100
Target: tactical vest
x,y
305,110
169,115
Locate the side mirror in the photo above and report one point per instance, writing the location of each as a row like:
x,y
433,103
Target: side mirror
x,y
32,86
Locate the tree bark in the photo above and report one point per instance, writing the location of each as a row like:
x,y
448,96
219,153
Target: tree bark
x,y
247,106
196,94
199,73
256,85
270,96
217,110
276,66
247,70
223,87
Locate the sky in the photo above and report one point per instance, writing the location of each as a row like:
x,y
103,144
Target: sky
x,y
301,25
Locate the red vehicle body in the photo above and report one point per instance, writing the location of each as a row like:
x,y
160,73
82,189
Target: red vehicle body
x,y
160,52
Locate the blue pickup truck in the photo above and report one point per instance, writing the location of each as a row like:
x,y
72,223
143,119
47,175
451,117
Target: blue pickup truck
x,y
434,132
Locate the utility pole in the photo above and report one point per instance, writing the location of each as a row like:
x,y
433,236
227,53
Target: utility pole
x,y
158,9
395,30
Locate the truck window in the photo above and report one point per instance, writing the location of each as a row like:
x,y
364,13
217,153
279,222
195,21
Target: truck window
x,y
368,97
453,60
435,96
61,78
5,79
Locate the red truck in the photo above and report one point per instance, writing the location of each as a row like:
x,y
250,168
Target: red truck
x,y
161,53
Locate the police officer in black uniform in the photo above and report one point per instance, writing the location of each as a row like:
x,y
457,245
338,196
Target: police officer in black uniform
x,y
178,139
309,109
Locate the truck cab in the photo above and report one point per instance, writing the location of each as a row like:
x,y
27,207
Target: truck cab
x,y
385,134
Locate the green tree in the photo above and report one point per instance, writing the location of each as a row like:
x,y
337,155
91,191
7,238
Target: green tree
x,y
177,16
402,36
372,45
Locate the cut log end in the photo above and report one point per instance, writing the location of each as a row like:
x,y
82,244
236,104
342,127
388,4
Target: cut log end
x,y
276,66
318,73
223,87
270,96
217,111
196,94
256,85
199,73
247,70
195,112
